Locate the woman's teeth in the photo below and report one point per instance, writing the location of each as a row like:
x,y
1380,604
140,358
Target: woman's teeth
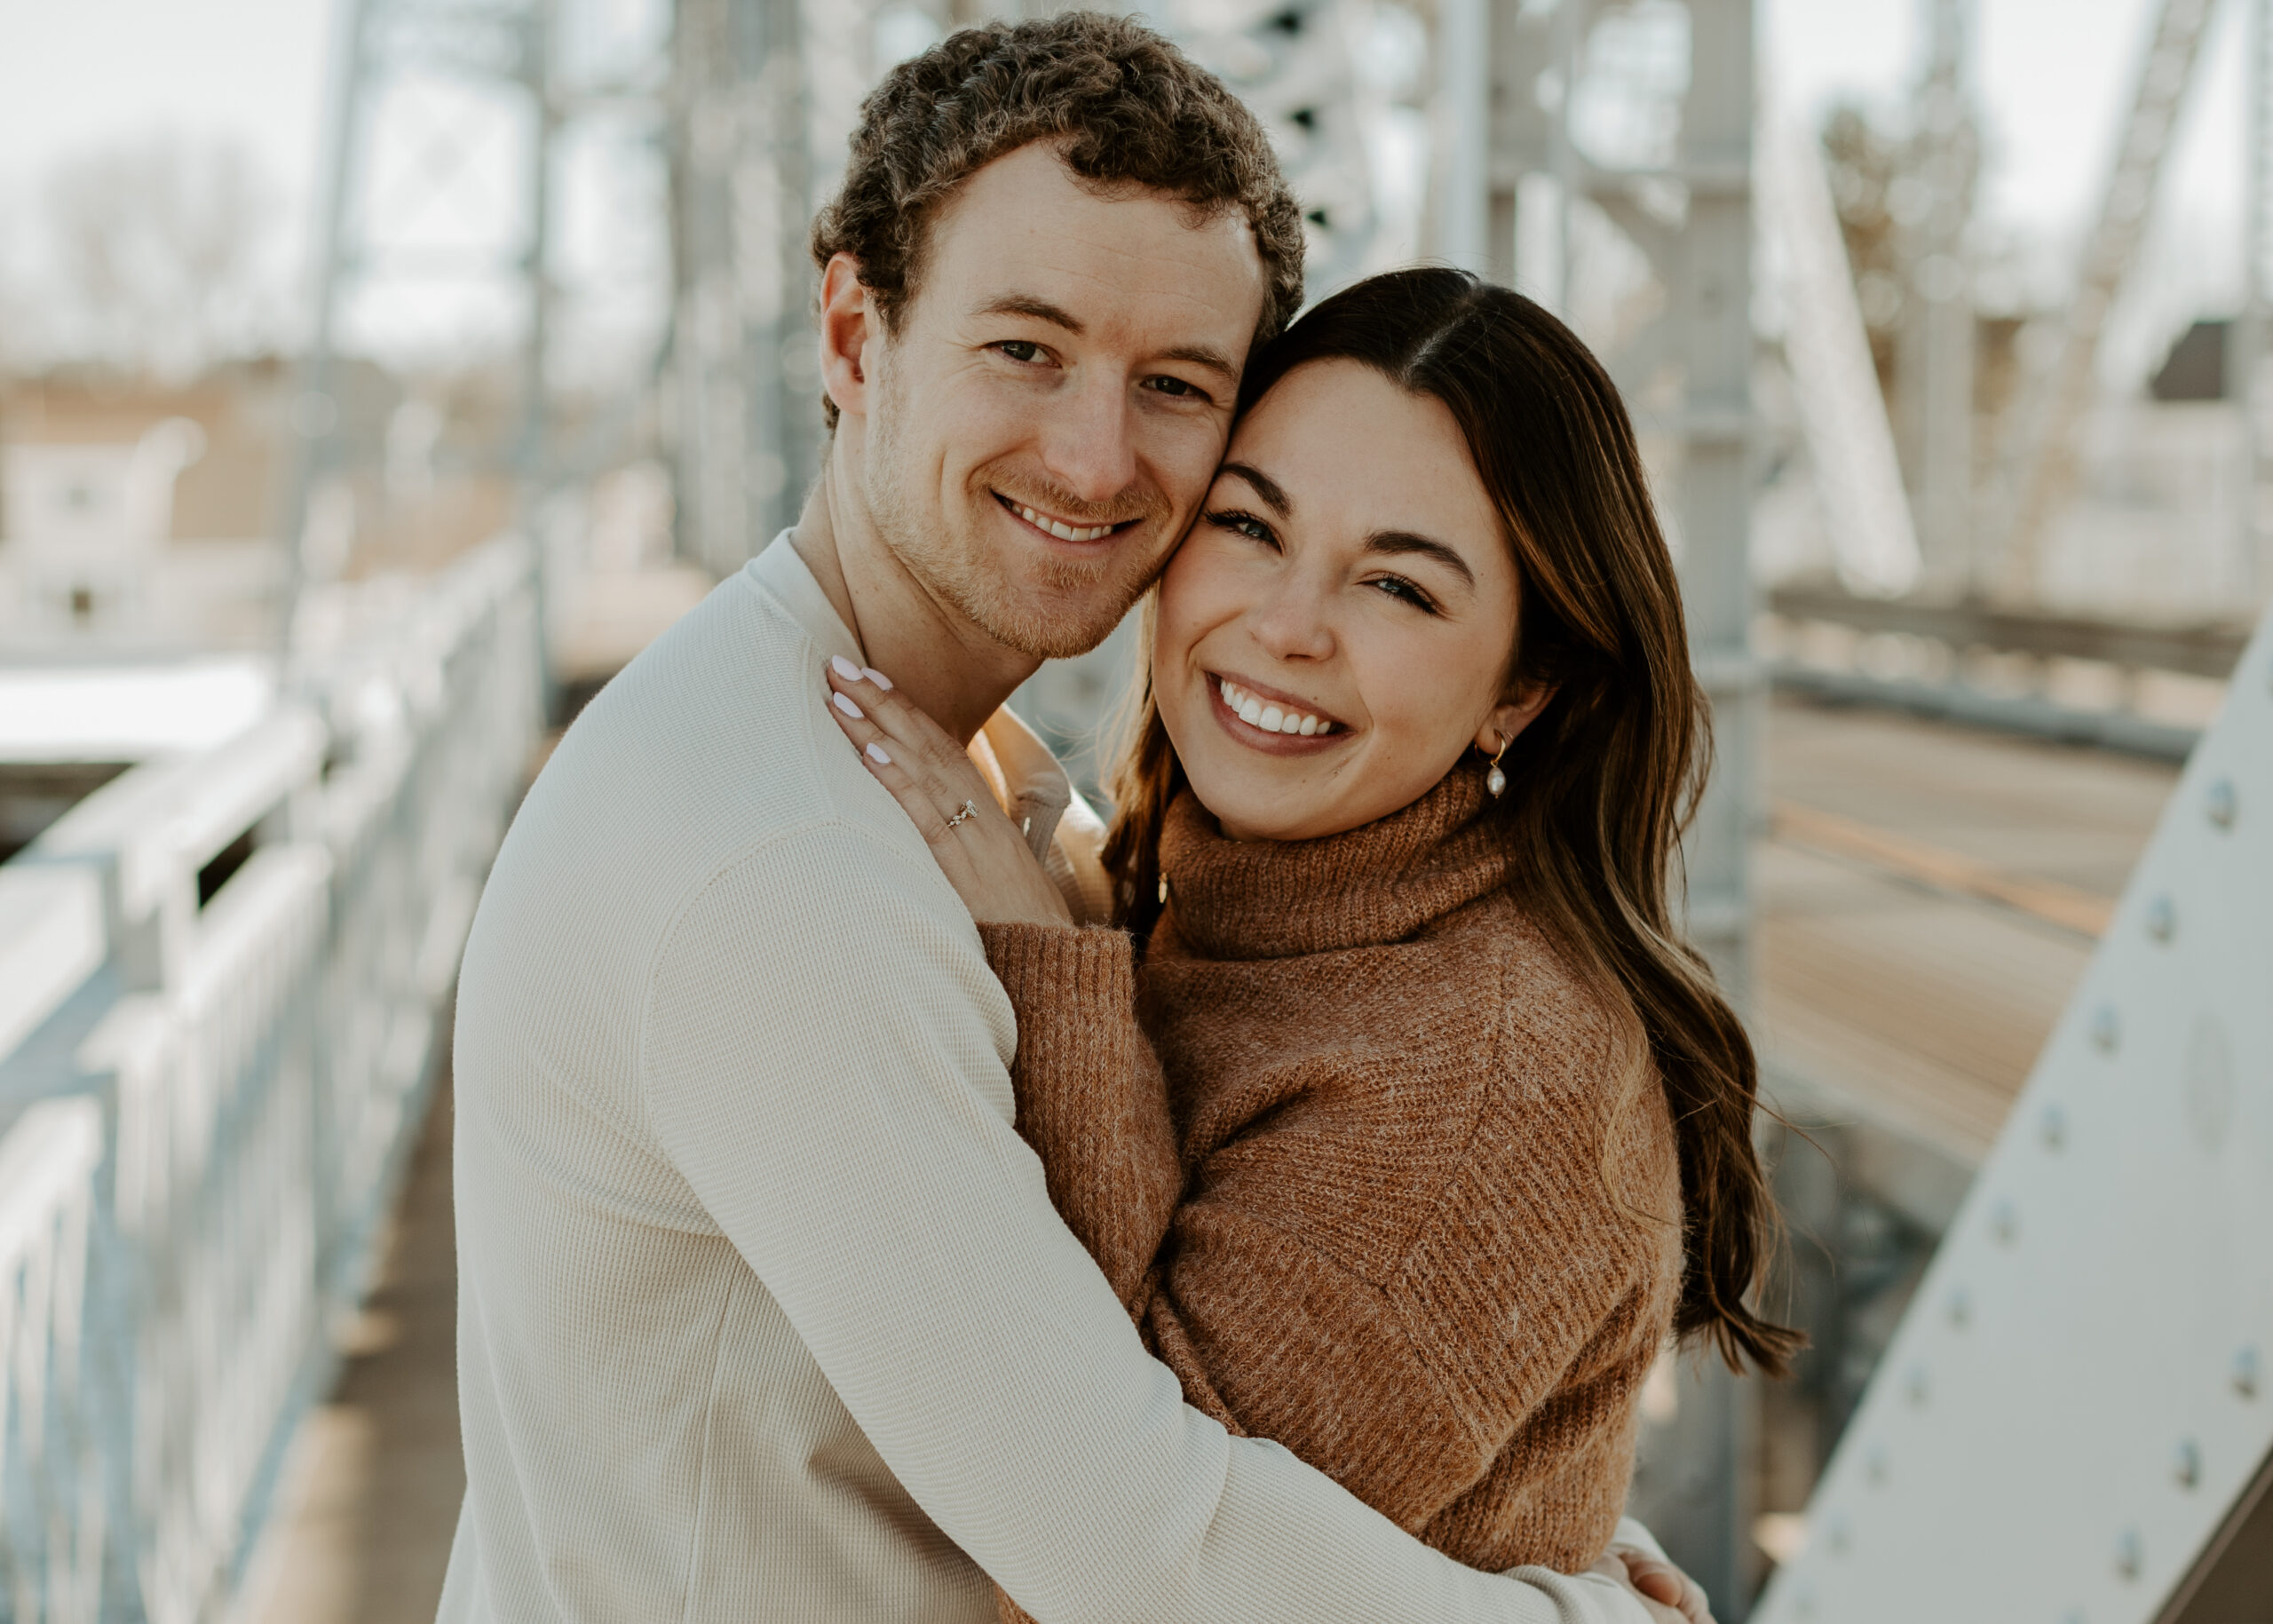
x,y
1271,719
1063,533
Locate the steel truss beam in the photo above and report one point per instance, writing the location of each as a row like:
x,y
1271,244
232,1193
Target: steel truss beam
x,y
1689,210
2038,462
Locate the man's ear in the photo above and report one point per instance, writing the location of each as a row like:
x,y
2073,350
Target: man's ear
x,y
849,322
1518,709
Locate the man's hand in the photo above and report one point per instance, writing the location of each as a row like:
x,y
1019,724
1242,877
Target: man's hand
x,y
1664,1586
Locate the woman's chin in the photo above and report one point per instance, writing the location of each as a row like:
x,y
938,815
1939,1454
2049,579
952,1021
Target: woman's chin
x,y
1243,815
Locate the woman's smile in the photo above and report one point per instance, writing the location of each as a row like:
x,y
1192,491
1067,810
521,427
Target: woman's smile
x,y
1271,720
1337,631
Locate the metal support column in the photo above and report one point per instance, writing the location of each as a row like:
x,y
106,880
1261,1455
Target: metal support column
x,y
2245,357
537,45
2037,460
1689,210
1520,141
1463,108
314,415
1707,1520
401,61
1942,428
747,429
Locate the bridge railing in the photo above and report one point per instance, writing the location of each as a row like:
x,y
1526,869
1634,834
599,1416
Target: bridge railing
x,y
1915,656
235,966
51,1511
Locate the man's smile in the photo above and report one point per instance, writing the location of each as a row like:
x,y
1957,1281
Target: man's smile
x,y
1056,528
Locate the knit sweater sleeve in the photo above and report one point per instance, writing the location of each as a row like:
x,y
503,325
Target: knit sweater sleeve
x,y
1407,1384
1091,1102
1477,1389
1090,1099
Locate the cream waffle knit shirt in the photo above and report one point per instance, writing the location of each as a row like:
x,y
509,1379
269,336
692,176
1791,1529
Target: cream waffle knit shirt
x,y
764,1310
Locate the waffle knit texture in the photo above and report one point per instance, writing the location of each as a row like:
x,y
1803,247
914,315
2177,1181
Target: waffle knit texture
x,y
1388,1195
764,1310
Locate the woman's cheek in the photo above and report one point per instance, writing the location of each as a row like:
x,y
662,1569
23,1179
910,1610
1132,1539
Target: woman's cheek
x,y
1172,638
1198,595
1416,698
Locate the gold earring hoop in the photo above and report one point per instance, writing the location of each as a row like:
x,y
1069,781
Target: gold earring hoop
x,y
1495,781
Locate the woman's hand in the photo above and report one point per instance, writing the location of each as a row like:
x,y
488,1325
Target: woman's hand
x,y
983,855
1609,1567
1662,1584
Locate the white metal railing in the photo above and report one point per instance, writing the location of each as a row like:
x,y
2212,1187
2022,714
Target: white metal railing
x,y
254,1060
215,1205
51,1504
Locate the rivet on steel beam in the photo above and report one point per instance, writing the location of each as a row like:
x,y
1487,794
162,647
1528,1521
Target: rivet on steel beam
x,y
2130,1553
1919,1384
2186,1464
2223,804
1874,1464
1836,1536
2107,1028
2005,1222
2162,919
1960,1308
2245,1373
2054,1127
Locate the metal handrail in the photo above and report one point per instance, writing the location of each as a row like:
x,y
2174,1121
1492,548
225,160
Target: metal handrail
x,y
51,1538
254,1060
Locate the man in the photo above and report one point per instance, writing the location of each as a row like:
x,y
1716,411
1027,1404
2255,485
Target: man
x,y
764,1312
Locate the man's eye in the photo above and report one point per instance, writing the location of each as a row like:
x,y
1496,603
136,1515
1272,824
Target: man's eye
x,y
1020,349
1176,387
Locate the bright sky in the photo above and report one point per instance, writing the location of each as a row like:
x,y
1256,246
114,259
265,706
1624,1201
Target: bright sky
x,y
2051,76
81,73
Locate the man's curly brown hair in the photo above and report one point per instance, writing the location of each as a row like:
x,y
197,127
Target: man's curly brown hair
x,y
1123,106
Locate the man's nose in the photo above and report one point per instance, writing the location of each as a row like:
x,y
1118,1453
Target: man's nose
x,y
1089,445
1293,622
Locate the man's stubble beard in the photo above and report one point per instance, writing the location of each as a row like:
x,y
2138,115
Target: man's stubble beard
x,y
1077,604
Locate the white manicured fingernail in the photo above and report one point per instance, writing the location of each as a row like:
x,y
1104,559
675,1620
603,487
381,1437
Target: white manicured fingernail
x,y
876,677
877,754
845,668
846,706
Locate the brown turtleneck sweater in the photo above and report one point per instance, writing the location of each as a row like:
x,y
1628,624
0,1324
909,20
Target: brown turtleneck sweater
x,y
1387,1193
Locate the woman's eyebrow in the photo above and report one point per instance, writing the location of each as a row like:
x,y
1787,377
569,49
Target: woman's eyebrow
x,y
1394,542
1266,486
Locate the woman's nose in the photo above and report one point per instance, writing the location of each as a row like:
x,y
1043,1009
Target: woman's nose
x,y
1291,623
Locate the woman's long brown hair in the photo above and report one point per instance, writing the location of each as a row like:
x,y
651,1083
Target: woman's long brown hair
x,y
1604,783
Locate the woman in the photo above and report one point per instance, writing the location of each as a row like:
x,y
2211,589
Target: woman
x,y
1447,1129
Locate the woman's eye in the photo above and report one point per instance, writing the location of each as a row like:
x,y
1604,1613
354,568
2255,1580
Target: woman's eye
x,y
1406,592
1020,349
1244,524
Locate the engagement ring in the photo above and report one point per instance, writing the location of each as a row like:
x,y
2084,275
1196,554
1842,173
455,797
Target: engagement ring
x,y
970,810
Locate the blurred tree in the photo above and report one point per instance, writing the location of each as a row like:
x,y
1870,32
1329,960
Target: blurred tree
x,y
1873,191
160,260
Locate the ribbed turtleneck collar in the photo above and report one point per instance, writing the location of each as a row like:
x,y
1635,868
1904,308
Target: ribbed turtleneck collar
x,y
1265,899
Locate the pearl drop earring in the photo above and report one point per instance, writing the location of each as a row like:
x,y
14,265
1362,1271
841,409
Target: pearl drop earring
x,y
1495,781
